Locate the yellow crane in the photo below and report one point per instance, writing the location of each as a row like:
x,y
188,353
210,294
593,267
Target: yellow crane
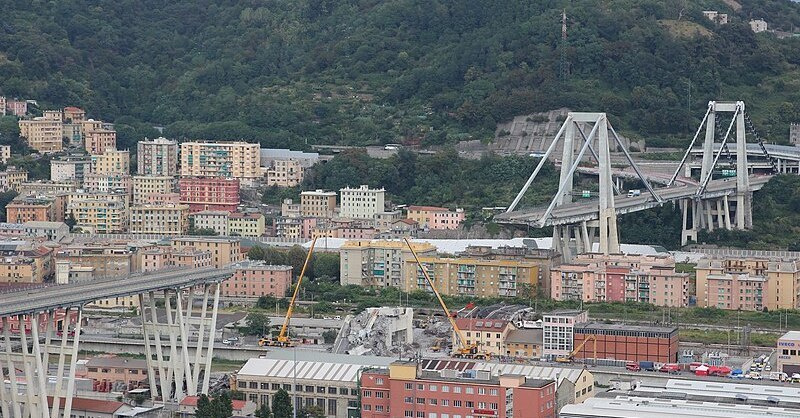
x,y
463,350
283,339
569,357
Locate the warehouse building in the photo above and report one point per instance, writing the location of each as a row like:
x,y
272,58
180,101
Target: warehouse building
x,y
625,342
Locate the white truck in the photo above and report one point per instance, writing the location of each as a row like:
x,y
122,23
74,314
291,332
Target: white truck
x,y
634,193
778,376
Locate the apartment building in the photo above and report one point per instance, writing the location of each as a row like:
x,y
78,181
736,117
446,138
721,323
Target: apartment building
x,y
432,217
31,208
361,202
239,160
378,263
286,227
11,178
524,343
69,168
146,187
254,279
73,119
157,157
20,269
18,108
752,284
5,153
45,133
99,213
472,277
224,251
107,183
626,342
382,221
290,209
546,259
620,278
558,331
285,173
317,204
52,231
98,137
246,224
159,219
215,220
43,187
155,259
111,161
101,259
209,193
74,114
403,390
488,334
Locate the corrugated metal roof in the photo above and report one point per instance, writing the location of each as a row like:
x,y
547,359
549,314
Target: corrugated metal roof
x,y
536,372
305,370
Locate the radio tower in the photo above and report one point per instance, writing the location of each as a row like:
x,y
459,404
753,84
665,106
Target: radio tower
x,y
563,65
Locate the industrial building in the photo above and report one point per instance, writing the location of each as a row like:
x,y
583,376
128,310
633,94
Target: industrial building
x,y
638,407
625,342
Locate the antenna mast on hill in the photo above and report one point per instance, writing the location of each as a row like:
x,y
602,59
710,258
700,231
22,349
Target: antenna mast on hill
x,y
563,66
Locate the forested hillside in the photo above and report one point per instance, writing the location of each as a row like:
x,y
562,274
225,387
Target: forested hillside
x,y
375,71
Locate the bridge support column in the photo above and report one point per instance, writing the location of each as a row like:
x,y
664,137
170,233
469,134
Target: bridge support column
x,y
179,375
689,223
33,358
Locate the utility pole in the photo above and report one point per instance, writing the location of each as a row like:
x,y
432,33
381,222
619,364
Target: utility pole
x,y
563,65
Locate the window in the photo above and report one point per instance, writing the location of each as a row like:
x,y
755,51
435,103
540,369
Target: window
x,y
432,415
456,403
493,392
433,388
276,386
469,404
409,386
421,401
320,389
367,393
481,405
380,395
445,402
332,407
408,399
481,391
367,407
378,408
420,414
456,389
469,390
379,381
493,406
408,414
343,391
420,387
309,388
433,401
445,388
332,390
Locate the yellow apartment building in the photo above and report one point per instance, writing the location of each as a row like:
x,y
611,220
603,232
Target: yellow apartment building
x,y
44,134
159,219
317,204
112,161
224,251
221,159
246,225
144,187
472,277
379,263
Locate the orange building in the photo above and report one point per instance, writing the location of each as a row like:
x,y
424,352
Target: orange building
x,y
627,342
28,209
432,217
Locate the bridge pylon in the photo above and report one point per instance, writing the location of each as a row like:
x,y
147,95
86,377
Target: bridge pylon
x,y
705,211
573,237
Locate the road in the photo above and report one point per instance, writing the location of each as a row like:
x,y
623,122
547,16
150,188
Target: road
x,y
75,294
586,209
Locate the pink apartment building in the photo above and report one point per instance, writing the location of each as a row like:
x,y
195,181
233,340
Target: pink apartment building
x,y
620,278
432,217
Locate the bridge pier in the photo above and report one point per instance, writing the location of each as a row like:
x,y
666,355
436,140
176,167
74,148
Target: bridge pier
x,y
178,373
35,351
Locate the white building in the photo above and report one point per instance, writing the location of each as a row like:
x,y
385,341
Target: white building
x,y
216,220
559,329
638,407
70,168
361,202
758,25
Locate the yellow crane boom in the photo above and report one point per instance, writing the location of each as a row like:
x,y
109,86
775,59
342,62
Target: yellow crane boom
x,y
578,349
465,348
283,337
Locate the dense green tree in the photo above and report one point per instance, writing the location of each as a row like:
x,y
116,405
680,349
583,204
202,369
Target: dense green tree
x,y
296,257
257,324
263,411
326,265
281,404
313,411
219,407
5,199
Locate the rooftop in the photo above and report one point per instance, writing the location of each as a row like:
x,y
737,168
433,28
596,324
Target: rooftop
x,y
258,264
791,335
623,327
309,369
637,407
562,312
90,405
119,362
525,336
467,324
